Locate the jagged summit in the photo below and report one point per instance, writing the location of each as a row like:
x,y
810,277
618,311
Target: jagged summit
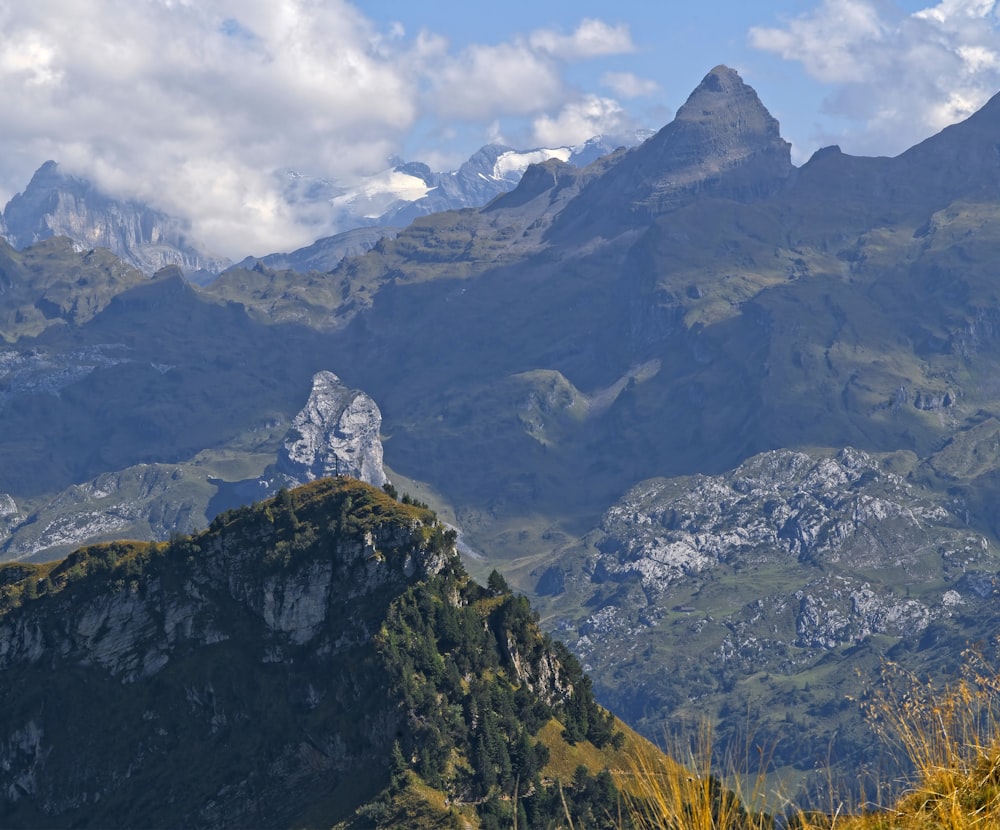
x,y
336,433
56,203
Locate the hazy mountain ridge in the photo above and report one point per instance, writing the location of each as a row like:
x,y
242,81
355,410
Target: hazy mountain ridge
x,y
57,204
53,284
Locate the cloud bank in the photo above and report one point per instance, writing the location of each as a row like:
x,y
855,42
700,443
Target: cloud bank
x,y
199,107
897,78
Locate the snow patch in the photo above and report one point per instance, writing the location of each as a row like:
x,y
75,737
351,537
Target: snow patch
x,y
513,164
376,193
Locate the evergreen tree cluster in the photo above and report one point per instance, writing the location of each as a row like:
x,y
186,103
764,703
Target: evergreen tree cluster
x,y
451,646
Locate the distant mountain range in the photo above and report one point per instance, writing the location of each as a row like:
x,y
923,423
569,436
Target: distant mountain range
x,y
732,423
58,204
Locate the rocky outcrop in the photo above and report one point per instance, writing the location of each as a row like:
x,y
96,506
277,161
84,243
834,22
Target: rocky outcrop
x,y
336,433
10,515
131,633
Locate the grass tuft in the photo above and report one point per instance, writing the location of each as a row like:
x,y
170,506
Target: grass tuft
x,y
949,737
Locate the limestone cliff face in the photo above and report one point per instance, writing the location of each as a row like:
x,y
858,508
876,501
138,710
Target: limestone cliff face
x,y
10,515
336,433
276,670
55,204
131,630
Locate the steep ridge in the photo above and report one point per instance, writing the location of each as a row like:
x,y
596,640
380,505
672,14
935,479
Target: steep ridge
x,y
324,254
316,658
961,161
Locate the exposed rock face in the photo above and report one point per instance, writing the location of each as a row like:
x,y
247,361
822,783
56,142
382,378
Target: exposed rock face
x,y
722,138
843,515
277,670
10,515
336,433
54,204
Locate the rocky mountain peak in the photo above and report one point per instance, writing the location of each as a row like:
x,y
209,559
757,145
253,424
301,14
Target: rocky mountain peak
x,y
725,105
58,204
336,433
722,137
723,142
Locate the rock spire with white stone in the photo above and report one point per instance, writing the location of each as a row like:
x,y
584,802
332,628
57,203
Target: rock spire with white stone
x,y
336,433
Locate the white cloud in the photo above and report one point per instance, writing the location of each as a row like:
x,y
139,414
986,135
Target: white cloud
x,y
948,10
193,106
897,78
580,120
198,107
485,81
591,39
627,85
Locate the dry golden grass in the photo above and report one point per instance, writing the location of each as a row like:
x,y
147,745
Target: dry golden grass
x,y
952,740
949,737
687,796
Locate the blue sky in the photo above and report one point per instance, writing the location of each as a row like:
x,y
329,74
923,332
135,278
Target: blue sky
x,y
202,106
675,43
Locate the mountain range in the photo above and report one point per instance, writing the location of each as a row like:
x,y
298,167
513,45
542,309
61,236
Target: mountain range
x,y
731,423
56,203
